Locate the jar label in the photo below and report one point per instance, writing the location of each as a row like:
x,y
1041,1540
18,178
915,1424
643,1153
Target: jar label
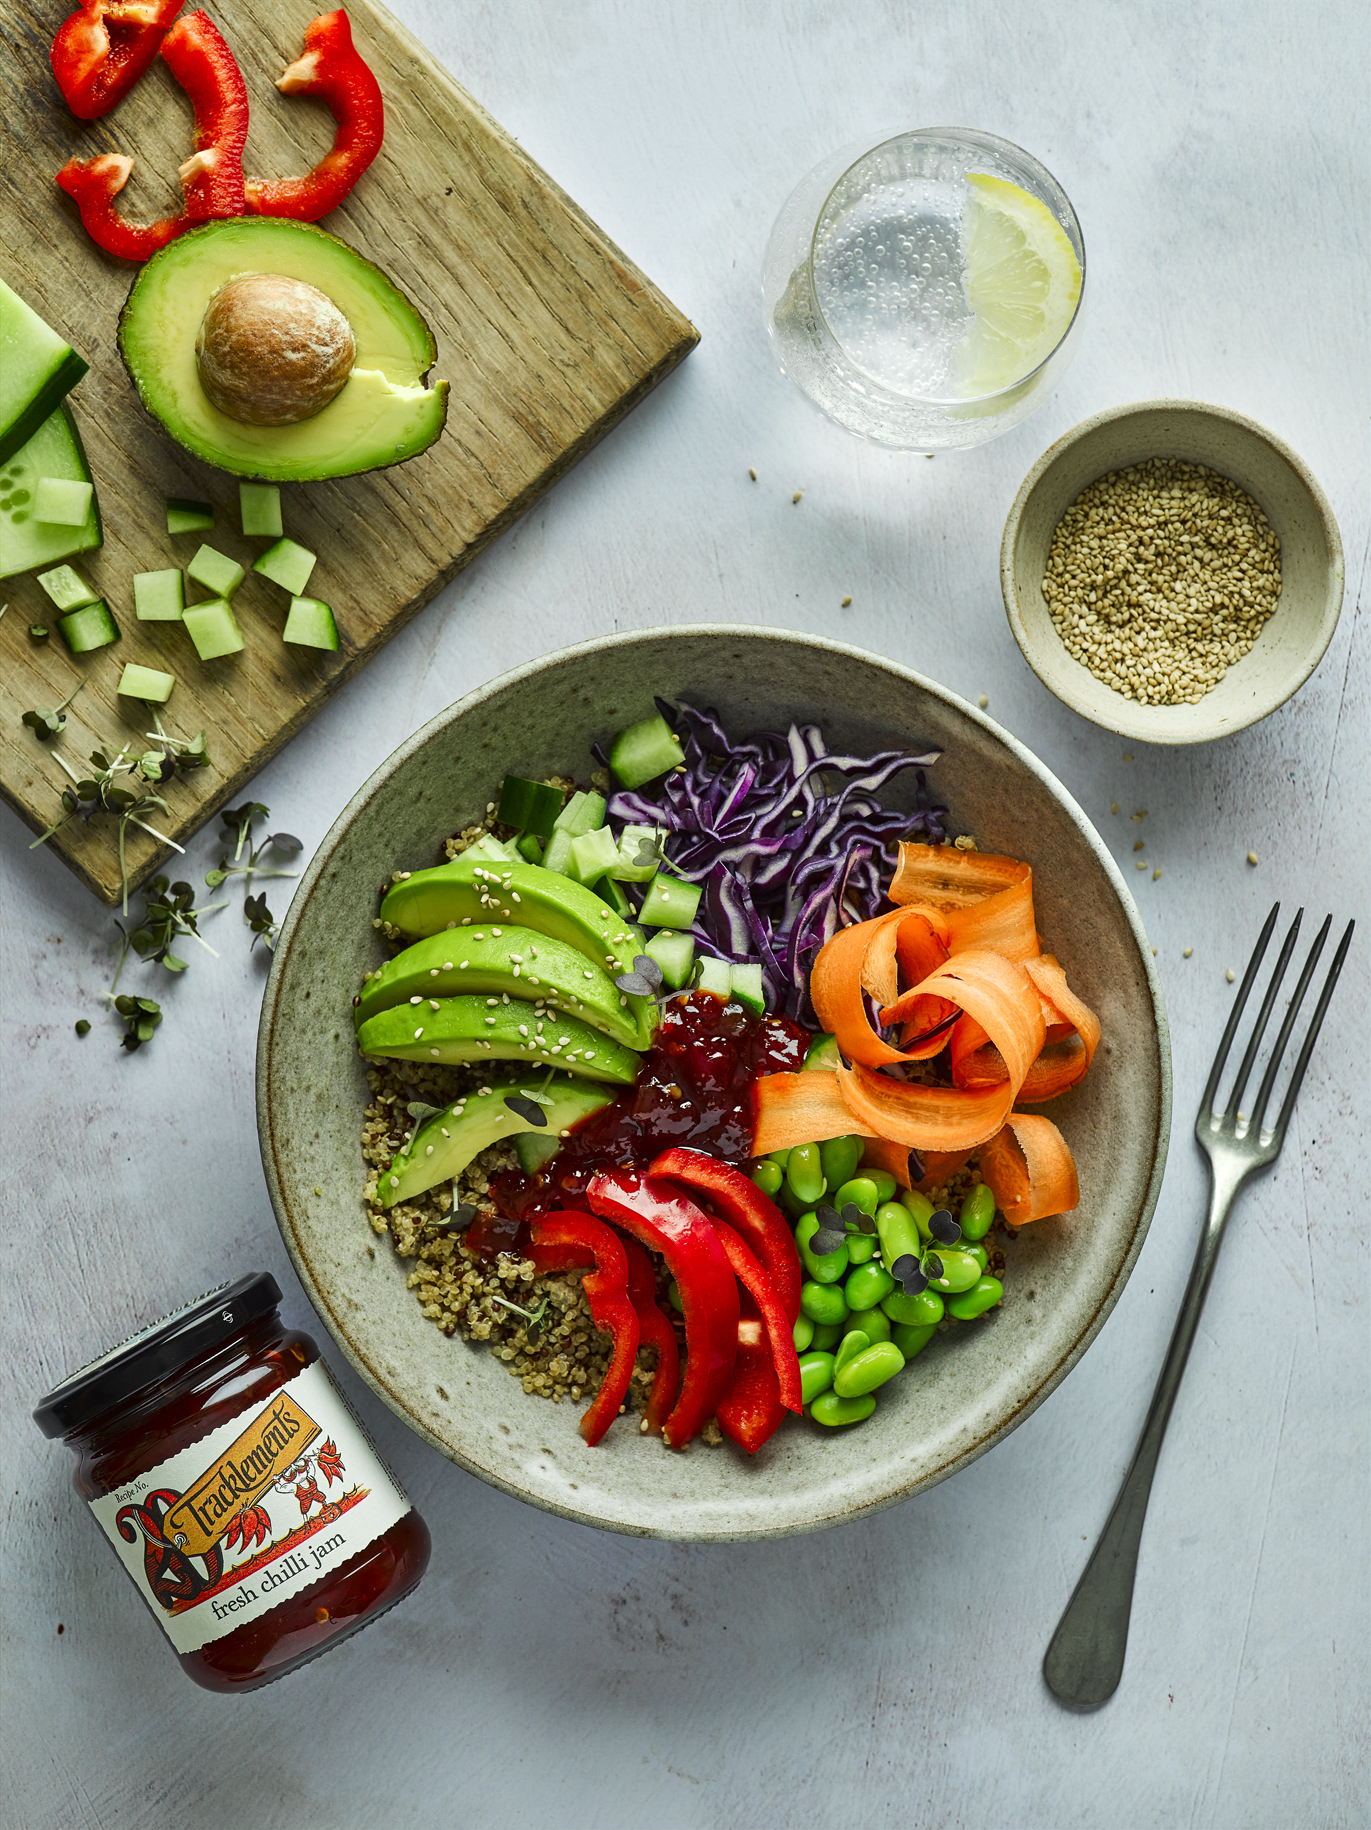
x,y
264,1506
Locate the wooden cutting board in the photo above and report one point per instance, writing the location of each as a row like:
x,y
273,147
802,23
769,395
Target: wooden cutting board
x,y
546,332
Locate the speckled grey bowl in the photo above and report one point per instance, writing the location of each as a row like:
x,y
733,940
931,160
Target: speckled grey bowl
x,y
966,1390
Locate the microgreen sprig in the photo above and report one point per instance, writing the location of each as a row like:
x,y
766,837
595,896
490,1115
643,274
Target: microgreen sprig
x,y
238,823
48,722
646,980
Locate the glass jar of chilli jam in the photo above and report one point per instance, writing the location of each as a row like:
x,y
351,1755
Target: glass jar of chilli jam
x,y
238,1487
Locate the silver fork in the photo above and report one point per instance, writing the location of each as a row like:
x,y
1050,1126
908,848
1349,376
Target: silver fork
x,y
1084,1662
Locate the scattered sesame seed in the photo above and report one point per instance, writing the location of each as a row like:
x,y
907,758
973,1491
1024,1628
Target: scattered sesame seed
x,y
1113,806
1156,873
428,1149
523,1029
797,495
589,1053
1230,975
983,701
1141,865
491,1003
1140,813
586,973
1186,952
515,894
1252,858
445,1131
437,1051
846,601
466,921
416,1000
497,933
433,972
752,473
1138,844
447,965
465,964
417,1034
490,1020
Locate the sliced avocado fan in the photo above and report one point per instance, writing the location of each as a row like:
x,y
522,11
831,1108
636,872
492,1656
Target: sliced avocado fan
x,y
454,1030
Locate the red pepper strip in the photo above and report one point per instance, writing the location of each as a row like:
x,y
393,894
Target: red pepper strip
x,y
655,1212
654,1330
211,179
102,50
747,1210
748,1270
331,68
606,1289
750,1411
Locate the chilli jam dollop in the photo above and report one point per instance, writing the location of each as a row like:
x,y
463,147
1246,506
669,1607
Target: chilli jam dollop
x,y
238,1488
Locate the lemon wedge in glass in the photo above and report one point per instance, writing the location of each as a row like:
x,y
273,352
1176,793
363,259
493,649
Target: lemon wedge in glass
x,y
1023,282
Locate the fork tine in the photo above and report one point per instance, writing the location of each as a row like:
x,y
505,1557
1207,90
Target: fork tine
x,y
1263,1015
1278,1052
1235,1015
1308,1048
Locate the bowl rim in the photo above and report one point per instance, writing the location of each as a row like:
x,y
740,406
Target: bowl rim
x,y
330,1313
1131,719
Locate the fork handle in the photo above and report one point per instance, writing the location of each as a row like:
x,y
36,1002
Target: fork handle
x,y
1084,1662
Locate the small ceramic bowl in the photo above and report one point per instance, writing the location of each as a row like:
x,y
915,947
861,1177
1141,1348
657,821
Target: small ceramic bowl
x,y
969,1388
1293,640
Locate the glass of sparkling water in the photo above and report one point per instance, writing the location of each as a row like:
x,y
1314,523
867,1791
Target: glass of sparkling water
x,y
926,292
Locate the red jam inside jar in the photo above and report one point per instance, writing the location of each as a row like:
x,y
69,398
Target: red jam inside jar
x,y
229,1356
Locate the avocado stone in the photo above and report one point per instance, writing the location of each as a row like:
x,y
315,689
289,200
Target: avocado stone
x,y
383,413
484,1029
444,1144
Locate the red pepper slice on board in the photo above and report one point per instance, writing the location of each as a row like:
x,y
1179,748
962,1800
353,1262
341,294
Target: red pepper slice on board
x,y
658,1214
751,1411
654,1330
332,68
606,1289
102,50
211,179
740,1202
752,1276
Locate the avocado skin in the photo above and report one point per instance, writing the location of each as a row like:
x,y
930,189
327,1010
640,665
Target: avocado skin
x,y
467,1029
473,1125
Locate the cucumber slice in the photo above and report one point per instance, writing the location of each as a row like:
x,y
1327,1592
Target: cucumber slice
x,y
823,1054
213,628
631,841
492,849
159,597
592,855
674,952
534,1149
25,542
716,975
670,903
66,587
287,565
645,750
259,509
452,1030
89,628
37,371
60,502
529,806
746,986
216,572
310,624
582,813
187,517
557,857
148,683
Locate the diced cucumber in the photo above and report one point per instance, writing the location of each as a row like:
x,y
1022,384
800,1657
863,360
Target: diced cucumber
x,y
674,952
187,517
716,975
529,806
534,1149
558,853
216,572
310,623
213,628
646,749
148,683
259,507
530,848
670,903
823,1054
89,628
582,813
592,855
631,841
39,632
25,542
60,502
66,587
286,564
491,848
609,891
159,597
746,986
37,370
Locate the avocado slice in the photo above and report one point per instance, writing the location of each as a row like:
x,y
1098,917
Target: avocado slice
x,y
443,1145
383,413
452,1030
503,961
470,891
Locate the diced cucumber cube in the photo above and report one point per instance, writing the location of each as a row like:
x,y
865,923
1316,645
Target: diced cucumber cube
x,y
89,628
259,505
159,597
582,813
148,683
187,517
674,952
66,587
558,853
823,1054
530,847
746,986
534,1148
530,806
631,841
670,903
287,565
216,572
592,855
646,749
213,628
61,502
496,850
716,975
310,623
609,891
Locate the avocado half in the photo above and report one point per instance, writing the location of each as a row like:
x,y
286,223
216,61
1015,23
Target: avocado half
x,y
382,415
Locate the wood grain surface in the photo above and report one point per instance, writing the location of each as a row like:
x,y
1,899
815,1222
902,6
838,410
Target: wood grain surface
x,y
545,331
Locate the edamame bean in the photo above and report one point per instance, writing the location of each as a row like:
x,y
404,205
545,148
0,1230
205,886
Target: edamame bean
x,y
978,1212
768,1176
983,1295
861,1248
912,1340
804,1175
823,1267
859,1192
898,1234
823,1302
920,1209
839,1157
886,1184
828,1334
974,1249
816,1375
868,1287
867,1371
874,1323
802,1333
780,1158
921,1311
673,1296
852,1343
831,1410
960,1269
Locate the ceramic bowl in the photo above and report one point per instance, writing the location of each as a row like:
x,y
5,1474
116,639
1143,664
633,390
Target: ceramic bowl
x,y
964,1393
1293,640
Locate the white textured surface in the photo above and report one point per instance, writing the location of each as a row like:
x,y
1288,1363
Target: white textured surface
x,y
887,1673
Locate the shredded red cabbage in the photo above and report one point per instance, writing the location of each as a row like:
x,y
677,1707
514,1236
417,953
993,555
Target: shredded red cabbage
x,y
783,857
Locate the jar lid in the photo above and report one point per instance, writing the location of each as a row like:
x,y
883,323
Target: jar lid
x,y
162,1347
